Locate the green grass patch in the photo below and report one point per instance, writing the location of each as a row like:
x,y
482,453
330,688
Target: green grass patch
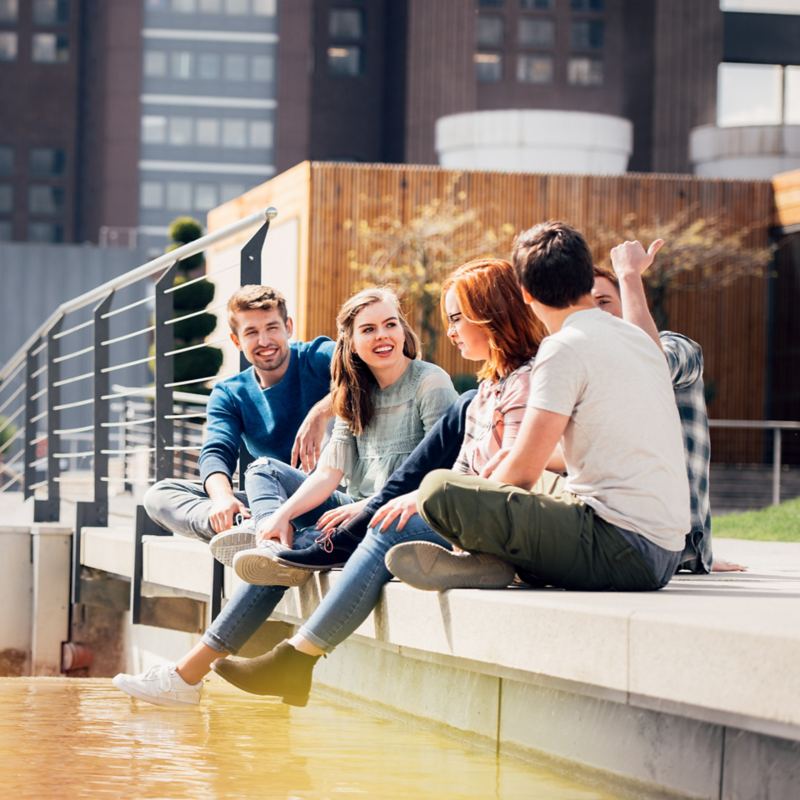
x,y
773,524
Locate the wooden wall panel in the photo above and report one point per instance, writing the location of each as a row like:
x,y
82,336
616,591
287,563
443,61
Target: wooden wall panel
x,y
730,323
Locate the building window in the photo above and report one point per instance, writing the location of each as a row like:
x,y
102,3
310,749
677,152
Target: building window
x,y
237,7
151,194
535,32
154,129
5,230
345,61
346,24
46,199
588,5
8,46
6,160
264,8
261,134
537,5
263,68
180,131
488,67
184,6
208,66
155,64
182,63
51,12
48,162
208,132
9,10
210,6
179,195
587,34
234,133
205,196
585,72
489,30
6,198
490,3
230,191
535,69
50,48
45,233
235,68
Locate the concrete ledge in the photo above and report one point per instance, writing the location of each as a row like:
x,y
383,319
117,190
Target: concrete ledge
x,y
655,690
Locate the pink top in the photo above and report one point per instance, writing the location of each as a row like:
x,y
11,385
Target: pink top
x,y
493,419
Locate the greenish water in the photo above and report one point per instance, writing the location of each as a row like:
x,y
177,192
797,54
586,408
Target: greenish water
x,y
72,738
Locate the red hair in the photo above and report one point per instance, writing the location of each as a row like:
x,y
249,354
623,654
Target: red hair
x,y
489,296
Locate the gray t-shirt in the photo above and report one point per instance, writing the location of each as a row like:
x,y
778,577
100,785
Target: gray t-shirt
x,y
623,445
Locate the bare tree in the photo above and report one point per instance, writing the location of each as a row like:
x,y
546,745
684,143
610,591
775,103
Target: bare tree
x,y
700,253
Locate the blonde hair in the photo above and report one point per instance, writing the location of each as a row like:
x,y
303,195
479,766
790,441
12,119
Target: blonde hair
x,y
351,378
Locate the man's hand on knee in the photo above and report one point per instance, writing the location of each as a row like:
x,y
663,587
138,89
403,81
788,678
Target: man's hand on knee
x,y
223,512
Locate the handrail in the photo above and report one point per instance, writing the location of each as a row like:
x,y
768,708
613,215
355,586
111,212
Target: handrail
x,y
776,426
755,424
134,275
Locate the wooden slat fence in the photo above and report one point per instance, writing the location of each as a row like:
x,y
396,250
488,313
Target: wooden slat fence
x,y
730,322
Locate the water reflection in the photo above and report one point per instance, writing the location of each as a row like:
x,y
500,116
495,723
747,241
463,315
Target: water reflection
x,y
83,738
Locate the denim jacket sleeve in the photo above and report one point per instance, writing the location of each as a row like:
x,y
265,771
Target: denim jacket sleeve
x,y
224,427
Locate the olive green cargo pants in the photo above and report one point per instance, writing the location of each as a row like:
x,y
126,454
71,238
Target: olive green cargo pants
x,y
547,532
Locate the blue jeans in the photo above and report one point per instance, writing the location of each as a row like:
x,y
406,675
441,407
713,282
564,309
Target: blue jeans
x,y
358,589
269,483
249,608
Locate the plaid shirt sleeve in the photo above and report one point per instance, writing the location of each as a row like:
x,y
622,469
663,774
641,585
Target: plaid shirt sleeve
x,y
685,360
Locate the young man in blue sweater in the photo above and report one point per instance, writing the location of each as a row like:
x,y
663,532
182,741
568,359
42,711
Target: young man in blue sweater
x,y
279,408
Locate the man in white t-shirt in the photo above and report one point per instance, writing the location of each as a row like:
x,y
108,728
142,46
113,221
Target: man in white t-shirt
x,y
601,389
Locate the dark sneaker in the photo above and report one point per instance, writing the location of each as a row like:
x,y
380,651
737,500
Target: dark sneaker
x,y
330,550
433,568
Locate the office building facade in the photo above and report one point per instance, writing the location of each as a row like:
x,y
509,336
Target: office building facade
x,y
119,115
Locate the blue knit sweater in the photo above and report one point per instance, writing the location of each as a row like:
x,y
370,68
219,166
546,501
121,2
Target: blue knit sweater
x,y
266,419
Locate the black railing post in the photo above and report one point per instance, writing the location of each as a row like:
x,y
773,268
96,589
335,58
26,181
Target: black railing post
x,y
29,449
49,510
95,514
164,372
162,429
250,273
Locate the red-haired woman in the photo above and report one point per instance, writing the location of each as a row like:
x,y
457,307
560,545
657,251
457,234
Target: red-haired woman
x,y
487,319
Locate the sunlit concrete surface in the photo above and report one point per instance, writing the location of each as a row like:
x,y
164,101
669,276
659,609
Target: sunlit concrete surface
x,y
685,690
83,738
752,152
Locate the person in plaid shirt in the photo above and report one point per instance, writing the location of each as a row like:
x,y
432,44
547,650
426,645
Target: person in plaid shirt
x,y
621,293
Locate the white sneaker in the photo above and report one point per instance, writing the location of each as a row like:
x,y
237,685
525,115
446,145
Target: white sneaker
x,y
224,546
259,567
160,685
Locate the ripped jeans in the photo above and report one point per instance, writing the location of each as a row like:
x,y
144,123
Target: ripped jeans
x,y
268,483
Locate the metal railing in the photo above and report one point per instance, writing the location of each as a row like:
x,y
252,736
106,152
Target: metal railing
x,y
777,440
58,405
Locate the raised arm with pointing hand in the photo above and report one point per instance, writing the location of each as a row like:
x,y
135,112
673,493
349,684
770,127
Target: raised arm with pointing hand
x,y
630,260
